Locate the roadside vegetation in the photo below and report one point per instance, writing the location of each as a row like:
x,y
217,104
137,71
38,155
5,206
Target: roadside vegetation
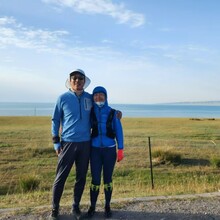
x,y
185,157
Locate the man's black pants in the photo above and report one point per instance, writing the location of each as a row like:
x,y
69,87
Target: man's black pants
x,y
72,152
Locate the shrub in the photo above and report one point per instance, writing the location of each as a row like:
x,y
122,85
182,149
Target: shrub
x,y
173,157
29,183
215,162
166,157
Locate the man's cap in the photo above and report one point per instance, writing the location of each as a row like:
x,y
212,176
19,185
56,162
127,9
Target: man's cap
x,y
78,71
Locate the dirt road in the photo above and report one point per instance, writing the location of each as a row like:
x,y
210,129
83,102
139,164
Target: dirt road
x,y
183,207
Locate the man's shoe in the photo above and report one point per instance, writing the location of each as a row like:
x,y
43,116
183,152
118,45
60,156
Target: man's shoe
x,y
54,213
108,212
90,212
76,212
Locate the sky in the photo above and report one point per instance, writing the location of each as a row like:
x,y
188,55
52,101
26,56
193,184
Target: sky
x,y
141,51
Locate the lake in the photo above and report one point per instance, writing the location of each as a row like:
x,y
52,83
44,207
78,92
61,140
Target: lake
x,y
128,110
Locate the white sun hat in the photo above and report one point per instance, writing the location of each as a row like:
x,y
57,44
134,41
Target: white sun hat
x,y
79,71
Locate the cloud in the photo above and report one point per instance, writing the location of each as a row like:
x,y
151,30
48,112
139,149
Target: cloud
x,y
105,7
15,34
7,20
54,42
106,41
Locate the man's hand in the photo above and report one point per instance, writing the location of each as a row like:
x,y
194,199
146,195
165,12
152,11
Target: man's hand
x,y
57,148
58,151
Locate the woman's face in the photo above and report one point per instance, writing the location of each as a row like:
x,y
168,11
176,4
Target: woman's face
x,y
99,97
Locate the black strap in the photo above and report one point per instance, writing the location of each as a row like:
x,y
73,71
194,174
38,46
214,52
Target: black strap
x,y
109,130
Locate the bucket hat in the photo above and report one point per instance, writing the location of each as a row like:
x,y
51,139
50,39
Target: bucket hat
x,y
79,71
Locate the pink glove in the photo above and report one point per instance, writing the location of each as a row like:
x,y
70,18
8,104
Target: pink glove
x,y
120,155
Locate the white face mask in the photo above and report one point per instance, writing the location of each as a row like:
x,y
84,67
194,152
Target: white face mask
x,y
100,104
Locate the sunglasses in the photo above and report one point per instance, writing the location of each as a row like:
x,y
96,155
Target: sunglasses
x,y
77,77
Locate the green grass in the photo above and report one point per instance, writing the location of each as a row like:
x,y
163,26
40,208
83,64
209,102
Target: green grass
x,y
27,157
29,183
215,161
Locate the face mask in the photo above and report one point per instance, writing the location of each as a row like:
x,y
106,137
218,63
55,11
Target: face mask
x,y
100,104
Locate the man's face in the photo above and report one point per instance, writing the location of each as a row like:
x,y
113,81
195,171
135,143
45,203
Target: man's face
x,y
77,82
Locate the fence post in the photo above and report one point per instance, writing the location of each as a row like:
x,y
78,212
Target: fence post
x,y
151,166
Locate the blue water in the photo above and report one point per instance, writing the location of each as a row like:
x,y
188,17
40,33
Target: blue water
x,y
128,110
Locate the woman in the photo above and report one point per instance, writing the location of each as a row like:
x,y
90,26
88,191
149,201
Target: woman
x,y
106,131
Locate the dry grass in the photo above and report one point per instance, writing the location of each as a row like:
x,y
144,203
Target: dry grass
x,y
26,149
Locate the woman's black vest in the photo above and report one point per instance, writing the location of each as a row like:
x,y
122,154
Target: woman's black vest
x,y
109,130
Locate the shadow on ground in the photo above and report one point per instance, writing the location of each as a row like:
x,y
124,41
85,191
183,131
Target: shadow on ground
x,y
195,162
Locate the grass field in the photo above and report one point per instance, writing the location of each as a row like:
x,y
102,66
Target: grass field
x,y
27,156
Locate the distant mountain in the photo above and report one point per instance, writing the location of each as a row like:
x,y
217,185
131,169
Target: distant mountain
x,y
195,103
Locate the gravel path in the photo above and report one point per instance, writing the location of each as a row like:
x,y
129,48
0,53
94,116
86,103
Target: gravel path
x,y
183,207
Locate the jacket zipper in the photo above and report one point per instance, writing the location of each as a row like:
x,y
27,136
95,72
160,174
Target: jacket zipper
x,y
80,110
100,127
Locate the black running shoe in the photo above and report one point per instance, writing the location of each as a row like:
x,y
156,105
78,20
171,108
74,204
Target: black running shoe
x,y
90,212
76,212
108,212
54,213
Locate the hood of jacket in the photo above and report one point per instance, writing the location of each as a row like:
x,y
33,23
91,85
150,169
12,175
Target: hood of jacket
x,y
100,89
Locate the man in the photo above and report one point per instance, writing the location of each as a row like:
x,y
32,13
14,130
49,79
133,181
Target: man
x,y
72,115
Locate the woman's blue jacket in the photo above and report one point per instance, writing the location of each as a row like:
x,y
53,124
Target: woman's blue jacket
x,y
102,140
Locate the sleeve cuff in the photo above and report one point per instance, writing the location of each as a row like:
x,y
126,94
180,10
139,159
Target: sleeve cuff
x,y
57,146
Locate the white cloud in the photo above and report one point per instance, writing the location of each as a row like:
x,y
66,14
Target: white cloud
x,y
14,34
105,7
55,42
106,41
7,20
